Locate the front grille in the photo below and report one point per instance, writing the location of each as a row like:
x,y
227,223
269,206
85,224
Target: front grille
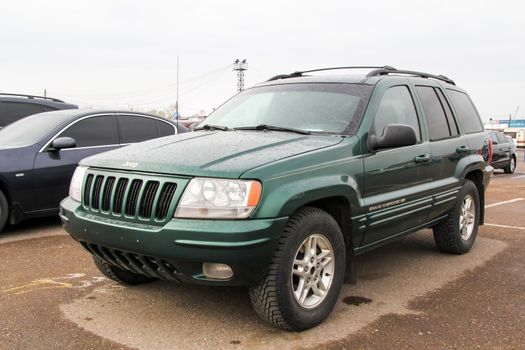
x,y
128,197
136,263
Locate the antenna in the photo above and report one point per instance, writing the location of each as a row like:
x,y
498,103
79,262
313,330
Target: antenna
x,y
240,67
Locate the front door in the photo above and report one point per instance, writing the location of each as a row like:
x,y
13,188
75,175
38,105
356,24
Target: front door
x,y
394,178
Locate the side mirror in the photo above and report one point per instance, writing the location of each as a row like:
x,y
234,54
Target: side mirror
x,y
62,143
394,135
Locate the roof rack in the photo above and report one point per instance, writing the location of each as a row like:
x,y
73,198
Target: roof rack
x,y
31,97
300,73
377,71
382,71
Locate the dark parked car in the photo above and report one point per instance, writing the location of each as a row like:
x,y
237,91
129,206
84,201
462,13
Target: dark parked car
x,y
14,107
38,154
504,152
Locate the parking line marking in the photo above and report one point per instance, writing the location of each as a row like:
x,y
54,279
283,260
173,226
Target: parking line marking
x,y
504,202
519,177
506,226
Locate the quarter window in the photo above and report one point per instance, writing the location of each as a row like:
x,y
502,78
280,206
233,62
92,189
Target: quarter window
x,y
14,111
396,107
93,131
165,129
438,124
136,129
467,114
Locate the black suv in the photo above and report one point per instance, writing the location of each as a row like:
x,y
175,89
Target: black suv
x,y
14,106
503,152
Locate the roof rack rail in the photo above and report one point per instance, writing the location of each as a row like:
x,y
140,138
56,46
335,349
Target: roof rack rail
x,y
31,97
300,73
382,71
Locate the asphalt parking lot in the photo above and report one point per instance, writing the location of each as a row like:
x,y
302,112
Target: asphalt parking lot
x,y
408,295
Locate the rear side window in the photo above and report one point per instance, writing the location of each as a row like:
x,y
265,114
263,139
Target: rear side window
x,y
165,129
396,107
440,125
467,114
136,129
93,131
501,138
14,111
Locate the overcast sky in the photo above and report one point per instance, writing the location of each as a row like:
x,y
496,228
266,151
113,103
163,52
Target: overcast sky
x,y
124,53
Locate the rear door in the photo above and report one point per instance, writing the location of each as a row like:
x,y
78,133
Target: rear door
x,y
54,169
394,177
447,147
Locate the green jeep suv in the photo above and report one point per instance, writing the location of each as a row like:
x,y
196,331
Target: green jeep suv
x,y
282,186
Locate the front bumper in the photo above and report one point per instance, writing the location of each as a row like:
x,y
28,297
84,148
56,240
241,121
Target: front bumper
x,y
177,250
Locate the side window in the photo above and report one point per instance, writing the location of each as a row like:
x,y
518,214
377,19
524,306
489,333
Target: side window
x,y
93,131
165,129
467,114
453,125
136,129
438,124
14,111
493,137
501,138
396,107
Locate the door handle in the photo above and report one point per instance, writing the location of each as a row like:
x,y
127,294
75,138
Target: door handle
x,y
463,149
422,158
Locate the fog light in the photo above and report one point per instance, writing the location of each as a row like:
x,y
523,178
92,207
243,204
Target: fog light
x,y
217,271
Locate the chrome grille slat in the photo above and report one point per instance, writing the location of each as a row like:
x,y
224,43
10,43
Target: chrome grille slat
x,y
87,189
131,203
106,197
95,202
165,200
122,185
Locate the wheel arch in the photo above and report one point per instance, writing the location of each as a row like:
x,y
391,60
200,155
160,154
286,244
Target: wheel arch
x,y
339,208
476,176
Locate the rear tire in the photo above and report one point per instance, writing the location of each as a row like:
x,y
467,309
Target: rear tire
x,y
304,279
458,232
509,169
118,275
4,210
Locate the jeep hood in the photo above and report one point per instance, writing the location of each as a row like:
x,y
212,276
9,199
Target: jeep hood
x,y
214,154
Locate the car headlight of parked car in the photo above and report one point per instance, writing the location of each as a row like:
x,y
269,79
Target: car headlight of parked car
x,y
75,187
207,198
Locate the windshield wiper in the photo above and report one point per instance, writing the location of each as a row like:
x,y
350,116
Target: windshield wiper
x,y
212,127
273,128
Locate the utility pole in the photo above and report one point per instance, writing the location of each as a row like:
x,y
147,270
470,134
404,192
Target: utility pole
x,y
240,67
177,102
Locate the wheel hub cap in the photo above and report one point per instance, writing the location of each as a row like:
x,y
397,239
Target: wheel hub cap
x,y
467,217
312,271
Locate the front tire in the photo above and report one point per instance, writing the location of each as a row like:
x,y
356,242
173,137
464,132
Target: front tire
x,y
4,210
458,232
302,284
509,169
119,275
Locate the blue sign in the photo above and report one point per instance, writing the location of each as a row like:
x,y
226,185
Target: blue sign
x,y
515,123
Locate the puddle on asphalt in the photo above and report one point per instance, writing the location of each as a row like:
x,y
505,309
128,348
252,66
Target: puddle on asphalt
x,y
356,301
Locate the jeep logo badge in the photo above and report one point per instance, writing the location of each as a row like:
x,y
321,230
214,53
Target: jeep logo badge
x,y
129,164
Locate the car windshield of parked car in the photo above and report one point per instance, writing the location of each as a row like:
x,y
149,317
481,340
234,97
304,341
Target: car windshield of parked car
x,y
31,130
314,107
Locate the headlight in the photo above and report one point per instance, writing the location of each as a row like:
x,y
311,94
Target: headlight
x,y
219,199
75,188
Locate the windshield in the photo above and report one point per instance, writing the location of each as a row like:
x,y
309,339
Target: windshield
x,y
324,108
30,130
